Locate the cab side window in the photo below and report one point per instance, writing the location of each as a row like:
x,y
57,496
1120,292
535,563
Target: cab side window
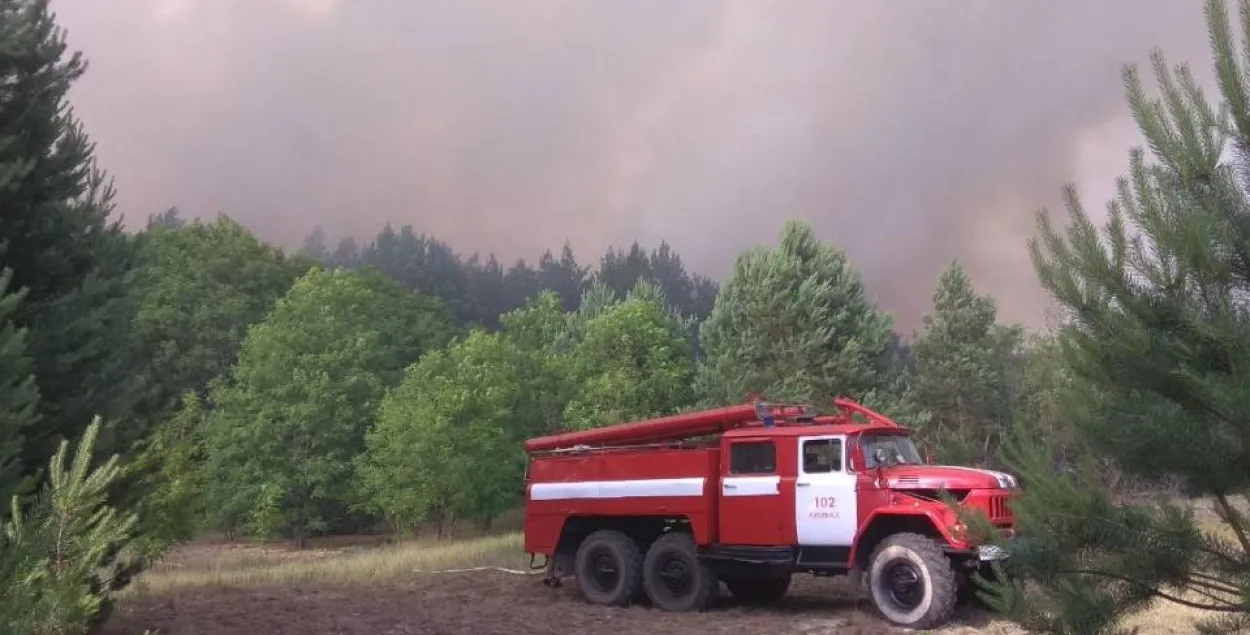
x,y
753,457
822,456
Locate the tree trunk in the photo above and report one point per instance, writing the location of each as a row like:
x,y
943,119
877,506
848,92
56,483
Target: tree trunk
x,y
439,520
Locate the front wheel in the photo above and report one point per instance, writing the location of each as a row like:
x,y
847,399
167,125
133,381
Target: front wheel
x,y
912,582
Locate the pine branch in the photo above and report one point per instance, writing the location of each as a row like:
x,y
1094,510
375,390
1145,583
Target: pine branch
x,y
1234,520
1214,581
1227,608
1194,586
1222,556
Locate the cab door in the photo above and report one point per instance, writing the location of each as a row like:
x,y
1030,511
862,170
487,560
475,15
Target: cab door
x,y
826,514
752,508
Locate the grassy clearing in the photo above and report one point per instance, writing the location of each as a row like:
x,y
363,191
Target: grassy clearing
x,y
346,560
263,565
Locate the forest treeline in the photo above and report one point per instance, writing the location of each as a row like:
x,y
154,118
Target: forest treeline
x,y
336,392
190,378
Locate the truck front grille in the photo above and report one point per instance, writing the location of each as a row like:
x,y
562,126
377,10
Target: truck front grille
x,y
999,510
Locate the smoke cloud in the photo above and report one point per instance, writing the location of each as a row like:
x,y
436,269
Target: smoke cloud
x,y
909,133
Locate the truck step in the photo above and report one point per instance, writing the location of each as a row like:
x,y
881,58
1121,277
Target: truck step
x,y
823,557
773,556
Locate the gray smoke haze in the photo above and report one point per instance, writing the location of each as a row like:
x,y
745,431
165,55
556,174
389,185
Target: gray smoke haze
x,y
909,133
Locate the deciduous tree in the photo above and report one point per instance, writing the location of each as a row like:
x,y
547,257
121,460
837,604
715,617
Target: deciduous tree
x,y
633,361
448,442
200,287
169,471
293,416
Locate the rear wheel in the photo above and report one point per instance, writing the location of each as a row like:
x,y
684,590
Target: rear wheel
x,y
912,582
608,568
674,577
762,590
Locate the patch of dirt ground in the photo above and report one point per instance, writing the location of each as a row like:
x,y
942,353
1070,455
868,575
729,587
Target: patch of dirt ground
x,y
488,603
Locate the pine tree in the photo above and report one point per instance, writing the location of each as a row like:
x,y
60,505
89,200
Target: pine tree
x,y
793,322
563,276
56,236
961,378
1157,338
315,247
425,265
55,557
19,395
620,271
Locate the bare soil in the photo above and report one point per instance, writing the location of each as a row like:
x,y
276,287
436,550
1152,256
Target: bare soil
x,y
488,603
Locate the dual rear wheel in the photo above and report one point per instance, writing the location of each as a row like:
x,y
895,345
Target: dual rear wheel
x,y
612,570
910,579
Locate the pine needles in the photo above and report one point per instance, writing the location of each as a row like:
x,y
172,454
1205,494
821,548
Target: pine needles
x,y
56,548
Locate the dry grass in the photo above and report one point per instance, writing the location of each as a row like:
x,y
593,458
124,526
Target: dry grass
x,y
344,561
260,565
1169,618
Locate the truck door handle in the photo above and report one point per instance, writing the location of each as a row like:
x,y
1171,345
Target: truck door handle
x,y
802,484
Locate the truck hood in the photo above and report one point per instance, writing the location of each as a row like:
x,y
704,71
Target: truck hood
x,y
947,477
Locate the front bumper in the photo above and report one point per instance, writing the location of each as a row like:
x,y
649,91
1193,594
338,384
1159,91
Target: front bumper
x,y
990,553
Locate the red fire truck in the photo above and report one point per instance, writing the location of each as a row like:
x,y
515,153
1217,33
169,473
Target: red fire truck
x,y
666,509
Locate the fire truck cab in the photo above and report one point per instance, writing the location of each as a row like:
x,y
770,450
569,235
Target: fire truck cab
x,y
668,509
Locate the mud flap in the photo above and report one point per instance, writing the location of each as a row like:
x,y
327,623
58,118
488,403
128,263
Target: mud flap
x,y
855,578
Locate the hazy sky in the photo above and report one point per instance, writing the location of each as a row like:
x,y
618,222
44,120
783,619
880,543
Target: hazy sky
x,y
908,132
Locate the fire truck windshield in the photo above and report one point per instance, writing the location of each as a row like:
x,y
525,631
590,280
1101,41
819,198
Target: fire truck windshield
x,y
899,449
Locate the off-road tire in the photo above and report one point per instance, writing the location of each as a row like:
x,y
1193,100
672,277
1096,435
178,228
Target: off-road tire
x,y
600,552
921,559
759,591
675,578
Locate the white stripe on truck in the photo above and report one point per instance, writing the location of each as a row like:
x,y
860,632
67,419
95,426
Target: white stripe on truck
x,y
751,486
644,488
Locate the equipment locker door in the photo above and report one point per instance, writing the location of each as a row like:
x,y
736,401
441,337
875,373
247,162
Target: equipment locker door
x,y
824,493
752,509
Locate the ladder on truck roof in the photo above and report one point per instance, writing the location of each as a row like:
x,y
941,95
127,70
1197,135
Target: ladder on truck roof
x,y
690,425
676,427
